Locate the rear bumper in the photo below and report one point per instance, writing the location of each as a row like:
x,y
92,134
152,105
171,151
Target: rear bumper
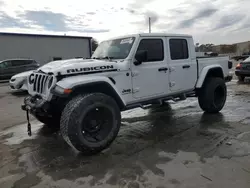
x,y
242,72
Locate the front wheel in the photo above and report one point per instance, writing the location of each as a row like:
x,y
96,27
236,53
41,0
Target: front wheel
x,y
90,122
213,94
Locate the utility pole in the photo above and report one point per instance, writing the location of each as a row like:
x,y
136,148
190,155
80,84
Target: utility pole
x,y
149,24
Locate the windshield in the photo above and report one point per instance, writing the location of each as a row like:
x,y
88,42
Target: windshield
x,y
114,49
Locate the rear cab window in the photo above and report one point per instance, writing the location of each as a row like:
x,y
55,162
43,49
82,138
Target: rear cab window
x,y
154,48
178,49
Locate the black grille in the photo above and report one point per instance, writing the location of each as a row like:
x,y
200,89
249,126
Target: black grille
x,y
40,83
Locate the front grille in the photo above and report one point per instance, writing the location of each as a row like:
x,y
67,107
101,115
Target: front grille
x,y
40,83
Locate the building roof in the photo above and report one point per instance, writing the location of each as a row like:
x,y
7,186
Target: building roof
x,y
19,59
44,35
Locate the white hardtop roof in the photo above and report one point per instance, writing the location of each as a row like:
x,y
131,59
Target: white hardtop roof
x,y
152,35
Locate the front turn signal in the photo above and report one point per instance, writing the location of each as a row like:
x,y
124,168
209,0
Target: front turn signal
x,y
67,91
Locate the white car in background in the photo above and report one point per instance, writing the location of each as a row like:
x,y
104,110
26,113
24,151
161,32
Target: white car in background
x,y
18,82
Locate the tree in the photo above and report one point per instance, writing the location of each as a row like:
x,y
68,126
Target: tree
x,y
94,44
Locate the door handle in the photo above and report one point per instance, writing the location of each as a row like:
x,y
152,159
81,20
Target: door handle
x,y
163,69
186,66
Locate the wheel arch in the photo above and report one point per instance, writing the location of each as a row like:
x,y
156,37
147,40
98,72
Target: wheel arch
x,y
208,72
98,87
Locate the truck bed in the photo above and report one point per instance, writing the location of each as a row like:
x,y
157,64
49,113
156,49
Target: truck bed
x,y
219,60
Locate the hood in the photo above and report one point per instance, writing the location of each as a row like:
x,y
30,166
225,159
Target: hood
x,y
74,66
23,74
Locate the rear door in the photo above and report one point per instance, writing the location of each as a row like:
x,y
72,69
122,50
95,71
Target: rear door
x,y
19,65
22,65
182,64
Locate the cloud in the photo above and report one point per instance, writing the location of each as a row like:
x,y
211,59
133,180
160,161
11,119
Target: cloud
x,y
153,16
50,21
244,25
91,13
7,21
200,15
228,20
59,22
138,4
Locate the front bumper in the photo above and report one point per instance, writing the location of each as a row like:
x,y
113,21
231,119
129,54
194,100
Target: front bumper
x,y
35,104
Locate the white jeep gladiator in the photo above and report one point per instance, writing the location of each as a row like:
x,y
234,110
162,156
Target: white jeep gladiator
x,y
85,97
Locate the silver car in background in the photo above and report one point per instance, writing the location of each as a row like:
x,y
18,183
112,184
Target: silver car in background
x,y
11,67
18,82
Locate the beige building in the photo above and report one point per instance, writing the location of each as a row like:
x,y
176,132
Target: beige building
x,y
243,47
235,49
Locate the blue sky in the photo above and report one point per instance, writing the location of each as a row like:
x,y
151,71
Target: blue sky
x,y
209,21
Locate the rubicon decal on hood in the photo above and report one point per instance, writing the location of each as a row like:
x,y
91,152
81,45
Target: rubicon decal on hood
x,y
89,69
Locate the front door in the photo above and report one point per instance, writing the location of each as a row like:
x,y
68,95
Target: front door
x,y
150,78
182,66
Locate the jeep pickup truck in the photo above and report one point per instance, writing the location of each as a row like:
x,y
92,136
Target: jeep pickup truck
x,y
84,97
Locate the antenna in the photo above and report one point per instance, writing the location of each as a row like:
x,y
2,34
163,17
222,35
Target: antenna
x,y
149,24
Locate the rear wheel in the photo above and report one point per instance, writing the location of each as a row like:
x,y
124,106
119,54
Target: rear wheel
x,y
90,122
213,94
241,78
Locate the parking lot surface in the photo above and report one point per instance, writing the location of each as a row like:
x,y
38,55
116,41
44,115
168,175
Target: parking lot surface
x,y
172,146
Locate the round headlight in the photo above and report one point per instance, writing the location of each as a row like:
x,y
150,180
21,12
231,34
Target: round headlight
x,y
50,82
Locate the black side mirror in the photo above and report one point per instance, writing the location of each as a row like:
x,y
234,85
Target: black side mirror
x,y
140,56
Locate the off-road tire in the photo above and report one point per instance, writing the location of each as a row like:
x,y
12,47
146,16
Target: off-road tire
x,y
75,113
241,78
213,94
52,123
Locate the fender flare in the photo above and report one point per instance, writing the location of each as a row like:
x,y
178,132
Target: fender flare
x,y
205,72
78,82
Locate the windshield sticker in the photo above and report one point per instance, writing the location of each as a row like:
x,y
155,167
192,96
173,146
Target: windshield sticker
x,y
128,40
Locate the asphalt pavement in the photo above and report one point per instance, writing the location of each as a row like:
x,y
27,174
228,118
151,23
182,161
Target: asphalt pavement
x,y
172,146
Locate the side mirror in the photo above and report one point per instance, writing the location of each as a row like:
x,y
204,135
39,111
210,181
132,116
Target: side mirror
x,y
140,57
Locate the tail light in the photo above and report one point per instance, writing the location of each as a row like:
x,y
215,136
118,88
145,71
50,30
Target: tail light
x,y
238,66
230,64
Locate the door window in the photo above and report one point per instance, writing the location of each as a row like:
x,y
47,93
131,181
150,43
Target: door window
x,y
154,48
16,63
178,49
5,64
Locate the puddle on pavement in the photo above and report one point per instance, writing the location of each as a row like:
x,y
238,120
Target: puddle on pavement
x,y
183,168
18,134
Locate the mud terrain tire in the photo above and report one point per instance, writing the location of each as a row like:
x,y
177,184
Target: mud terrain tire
x,y
213,94
90,122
